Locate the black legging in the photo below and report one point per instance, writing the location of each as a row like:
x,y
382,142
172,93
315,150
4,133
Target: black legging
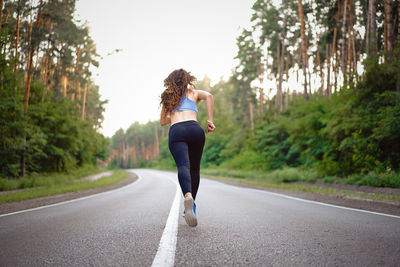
x,y
186,142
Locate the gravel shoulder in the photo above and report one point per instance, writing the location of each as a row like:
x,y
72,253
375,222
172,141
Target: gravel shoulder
x,y
350,202
42,201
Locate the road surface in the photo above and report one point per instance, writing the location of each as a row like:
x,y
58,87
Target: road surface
x,y
141,224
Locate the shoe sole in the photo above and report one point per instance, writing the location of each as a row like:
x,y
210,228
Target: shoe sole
x,y
190,218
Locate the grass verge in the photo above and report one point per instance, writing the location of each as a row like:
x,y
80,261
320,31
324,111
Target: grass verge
x,y
49,179
278,182
285,175
70,186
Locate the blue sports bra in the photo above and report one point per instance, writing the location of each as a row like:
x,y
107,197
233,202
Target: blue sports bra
x,y
186,104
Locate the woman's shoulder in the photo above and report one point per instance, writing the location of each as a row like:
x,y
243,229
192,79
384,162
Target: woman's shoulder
x,y
192,90
192,94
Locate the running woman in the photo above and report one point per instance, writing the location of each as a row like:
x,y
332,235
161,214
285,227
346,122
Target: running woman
x,y
186,138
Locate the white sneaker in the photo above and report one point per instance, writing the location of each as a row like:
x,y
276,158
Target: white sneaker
x,y
194,210
190,216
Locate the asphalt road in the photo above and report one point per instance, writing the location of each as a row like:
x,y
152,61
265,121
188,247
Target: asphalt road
x,y
237,227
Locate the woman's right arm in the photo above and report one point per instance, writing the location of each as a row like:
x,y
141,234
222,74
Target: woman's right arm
x,y
204,95
164,117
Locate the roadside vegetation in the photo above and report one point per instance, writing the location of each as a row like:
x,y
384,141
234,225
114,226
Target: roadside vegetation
x,y
55,184
50,108
48,179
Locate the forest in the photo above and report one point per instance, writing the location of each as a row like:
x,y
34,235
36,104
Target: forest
x,y
315,95
50,108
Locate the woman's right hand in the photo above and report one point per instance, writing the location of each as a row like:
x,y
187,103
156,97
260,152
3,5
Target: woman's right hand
x,y
210,126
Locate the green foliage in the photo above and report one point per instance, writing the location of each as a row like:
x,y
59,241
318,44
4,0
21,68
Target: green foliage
x,y
273,142
52,134
57,139
363,125
284,175
63,185
246,160
385,179
49,179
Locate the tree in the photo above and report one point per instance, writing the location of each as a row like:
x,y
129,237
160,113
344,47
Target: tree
x,y
388,25
1,13
28,84
249,56
303,47
371,28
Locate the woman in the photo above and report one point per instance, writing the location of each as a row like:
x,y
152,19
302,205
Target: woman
x,y
186,137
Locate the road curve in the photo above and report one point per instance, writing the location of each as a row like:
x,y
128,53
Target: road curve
x,y
237,227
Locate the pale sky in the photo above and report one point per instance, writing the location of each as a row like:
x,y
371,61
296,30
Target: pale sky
x,y
157,37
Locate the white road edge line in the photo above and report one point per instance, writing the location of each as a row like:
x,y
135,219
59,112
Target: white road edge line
x,y
75,199
165,256
314,202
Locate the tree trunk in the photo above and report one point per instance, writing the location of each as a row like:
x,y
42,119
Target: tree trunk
x,y
398,43
352,44
334,44
287,68
156,143
321,72
29,69
287,99
64,81
278,88
355,59
398,24
5,21
79,91
84,102
303,47
298,64
261,100
30,63
134,154
78,55
328,76
1,12
281,62
368,26
37,59
28,87
309,79
251,111
78,85
388,25
343,54
280,95
17,36
348,56
371,48
8,15
398,81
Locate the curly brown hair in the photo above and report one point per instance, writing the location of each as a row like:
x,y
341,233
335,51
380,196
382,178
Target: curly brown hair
x,y
177,84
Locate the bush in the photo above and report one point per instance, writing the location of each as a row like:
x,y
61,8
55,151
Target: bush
x,y
247,160
289,175
388,179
